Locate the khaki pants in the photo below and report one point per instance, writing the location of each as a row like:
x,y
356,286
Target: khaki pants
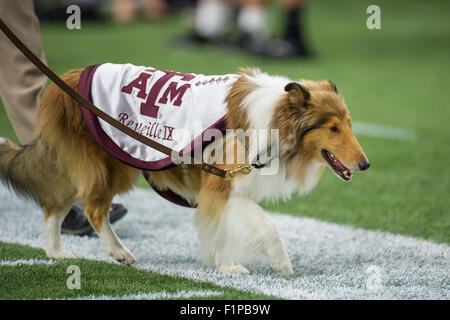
x,y
21,83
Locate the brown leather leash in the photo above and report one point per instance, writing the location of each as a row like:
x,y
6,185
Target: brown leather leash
x,y
225,174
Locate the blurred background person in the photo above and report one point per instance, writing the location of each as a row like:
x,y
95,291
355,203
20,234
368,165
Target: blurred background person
x,y
121,11
126,10
213,19
21,89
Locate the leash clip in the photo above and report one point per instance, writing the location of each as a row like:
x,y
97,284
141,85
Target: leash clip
x,y
241,169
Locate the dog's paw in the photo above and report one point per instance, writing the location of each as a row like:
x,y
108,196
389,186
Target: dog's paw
x,y
60,255
123,256
233,268
283,266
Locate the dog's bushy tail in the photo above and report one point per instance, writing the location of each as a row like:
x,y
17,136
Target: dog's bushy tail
x,y
26,169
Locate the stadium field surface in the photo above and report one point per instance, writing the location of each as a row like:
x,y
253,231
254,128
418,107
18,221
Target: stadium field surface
x,y
330,261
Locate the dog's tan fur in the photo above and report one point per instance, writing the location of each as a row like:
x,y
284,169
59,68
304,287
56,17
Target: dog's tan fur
x,y
64,164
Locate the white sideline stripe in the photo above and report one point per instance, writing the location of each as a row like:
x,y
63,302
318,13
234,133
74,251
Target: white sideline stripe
x,y
380,131
25,262
330,261
155,296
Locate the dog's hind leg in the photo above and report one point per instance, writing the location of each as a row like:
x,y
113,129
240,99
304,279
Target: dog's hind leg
x,y
53,221
98,215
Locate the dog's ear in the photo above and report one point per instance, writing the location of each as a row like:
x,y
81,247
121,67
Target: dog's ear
x,y
298,95
325,85
332,86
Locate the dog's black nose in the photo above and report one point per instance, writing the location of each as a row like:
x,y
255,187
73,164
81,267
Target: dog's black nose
x,y
364,165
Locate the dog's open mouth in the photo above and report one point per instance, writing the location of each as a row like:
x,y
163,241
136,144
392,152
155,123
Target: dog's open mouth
x,y
339,169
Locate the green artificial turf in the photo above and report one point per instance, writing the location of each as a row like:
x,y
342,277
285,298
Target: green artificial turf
x,y
397,76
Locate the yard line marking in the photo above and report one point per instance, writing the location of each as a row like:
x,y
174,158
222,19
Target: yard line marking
x,y
154,295
381,131
330,261
26,262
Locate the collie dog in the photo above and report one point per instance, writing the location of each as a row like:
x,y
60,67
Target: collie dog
x,y
64,165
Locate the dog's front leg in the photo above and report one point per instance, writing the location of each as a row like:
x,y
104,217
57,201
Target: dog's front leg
x,y
241,231
261,234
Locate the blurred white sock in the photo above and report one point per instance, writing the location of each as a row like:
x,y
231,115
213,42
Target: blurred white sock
x,y
252,20
211,18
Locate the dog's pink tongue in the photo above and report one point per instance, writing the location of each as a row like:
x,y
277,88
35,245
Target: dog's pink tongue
x,y
346,172
336,162
339,165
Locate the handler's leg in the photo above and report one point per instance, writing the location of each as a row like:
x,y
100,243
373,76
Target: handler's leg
x,y
21,83
21,88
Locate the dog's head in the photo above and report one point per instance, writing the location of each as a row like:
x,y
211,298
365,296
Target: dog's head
x,y
318,128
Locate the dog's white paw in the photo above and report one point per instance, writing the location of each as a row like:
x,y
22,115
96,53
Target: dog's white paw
x,y
283,266
123,256
232,268
3,140
60,255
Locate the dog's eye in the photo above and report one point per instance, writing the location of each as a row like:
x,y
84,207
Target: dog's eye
x,y
334,129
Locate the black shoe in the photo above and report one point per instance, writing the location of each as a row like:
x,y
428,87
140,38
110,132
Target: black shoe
x,y
287,48
76,222
268,48
245,42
